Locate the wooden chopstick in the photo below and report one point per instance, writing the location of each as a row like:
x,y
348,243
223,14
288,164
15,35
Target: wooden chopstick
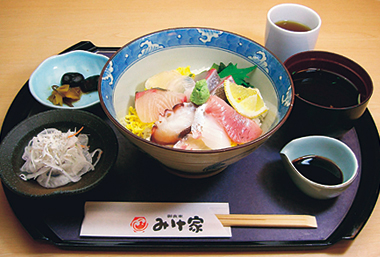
x,y
267,220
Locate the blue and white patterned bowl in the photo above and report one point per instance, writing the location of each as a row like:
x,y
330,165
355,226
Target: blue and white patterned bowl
x,y
50,72
129,68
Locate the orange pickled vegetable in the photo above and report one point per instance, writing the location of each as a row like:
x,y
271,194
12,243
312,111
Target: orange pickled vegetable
x,y
73,93
64,94
56,98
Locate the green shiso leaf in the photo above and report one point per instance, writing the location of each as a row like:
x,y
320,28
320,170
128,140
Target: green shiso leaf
x,y
239,75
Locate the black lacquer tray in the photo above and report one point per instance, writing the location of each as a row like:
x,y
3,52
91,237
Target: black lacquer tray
x,y
258,184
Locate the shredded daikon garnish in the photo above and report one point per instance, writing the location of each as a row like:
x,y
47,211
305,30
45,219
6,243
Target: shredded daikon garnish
x,y
54,158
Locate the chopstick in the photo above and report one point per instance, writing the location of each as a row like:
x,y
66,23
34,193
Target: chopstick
x,y
267,220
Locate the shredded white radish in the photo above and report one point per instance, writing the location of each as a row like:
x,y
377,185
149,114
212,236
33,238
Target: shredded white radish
x,y
54,158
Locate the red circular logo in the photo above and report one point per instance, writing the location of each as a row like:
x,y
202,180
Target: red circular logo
x,y
139,224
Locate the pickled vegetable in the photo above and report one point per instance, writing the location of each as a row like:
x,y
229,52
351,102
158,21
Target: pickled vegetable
x,y
65,95
73,84
90,84
74,79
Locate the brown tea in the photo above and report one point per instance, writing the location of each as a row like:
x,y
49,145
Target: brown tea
x,y
293,26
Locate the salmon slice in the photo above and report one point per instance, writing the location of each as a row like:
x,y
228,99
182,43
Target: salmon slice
x,y
240,129
151,103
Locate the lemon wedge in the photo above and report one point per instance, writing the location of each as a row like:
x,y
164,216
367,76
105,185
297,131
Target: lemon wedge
x,y
246,101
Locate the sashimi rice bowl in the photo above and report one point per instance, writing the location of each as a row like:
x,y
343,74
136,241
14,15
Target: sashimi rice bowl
x,y
196,99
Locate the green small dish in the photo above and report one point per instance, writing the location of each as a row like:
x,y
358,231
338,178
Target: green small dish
x,y
330,148
51,70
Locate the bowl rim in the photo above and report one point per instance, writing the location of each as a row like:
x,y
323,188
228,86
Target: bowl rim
x,y
31,86
268,134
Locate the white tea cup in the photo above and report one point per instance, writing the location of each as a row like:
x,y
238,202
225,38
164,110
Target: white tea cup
x,y
283,42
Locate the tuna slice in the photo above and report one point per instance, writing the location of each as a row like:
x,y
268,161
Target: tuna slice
x,y
239,128
151,103
173,125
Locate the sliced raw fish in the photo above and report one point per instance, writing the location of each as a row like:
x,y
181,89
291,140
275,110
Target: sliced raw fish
x,y
219,90
151,103
212,78
173,124
239,128
213,134
190,143
171,80
199,120
206,128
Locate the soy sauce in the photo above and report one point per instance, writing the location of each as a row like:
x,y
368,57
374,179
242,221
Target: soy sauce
x,y
293,26
325,88
319,169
